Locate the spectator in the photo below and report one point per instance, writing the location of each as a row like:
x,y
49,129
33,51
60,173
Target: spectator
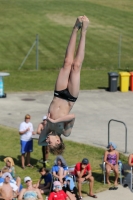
x,y
130,160
45,149
127,178
111,158
70,189
8,189
29,192
60,169
83,173
47,177
26,131
11,169
10,165
57,193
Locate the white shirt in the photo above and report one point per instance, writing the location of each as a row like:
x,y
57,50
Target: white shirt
x,y
27,135
13,186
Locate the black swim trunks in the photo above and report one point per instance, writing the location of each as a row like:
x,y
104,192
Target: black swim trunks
x,y
64,94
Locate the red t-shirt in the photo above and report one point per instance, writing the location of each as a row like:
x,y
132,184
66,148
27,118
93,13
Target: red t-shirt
x,y
78,168
61,195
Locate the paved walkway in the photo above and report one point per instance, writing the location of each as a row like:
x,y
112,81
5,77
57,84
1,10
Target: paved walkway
x,y
119,194
93,111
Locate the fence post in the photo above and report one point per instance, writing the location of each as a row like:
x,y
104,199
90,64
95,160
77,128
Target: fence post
x,y
119,51
37,43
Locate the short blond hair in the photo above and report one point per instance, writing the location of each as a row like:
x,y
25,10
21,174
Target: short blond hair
x,y
27,116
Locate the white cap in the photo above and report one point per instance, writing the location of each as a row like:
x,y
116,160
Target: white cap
x,y
27,178
44,117
6,174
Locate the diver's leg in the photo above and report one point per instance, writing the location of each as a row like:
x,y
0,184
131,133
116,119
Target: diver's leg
x,y
63,77
74,80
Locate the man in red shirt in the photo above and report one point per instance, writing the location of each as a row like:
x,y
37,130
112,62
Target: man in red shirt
x,y
83,173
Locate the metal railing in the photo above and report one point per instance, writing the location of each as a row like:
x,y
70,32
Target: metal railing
x,y
125,132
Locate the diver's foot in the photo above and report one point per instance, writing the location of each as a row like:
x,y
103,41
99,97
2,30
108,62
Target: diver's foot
x,y
85,25
78,24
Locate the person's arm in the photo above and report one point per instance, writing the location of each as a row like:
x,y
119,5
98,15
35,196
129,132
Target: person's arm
x,y
20,197
130,160
39,194
48,185
39,129
89,174
65,118
23,132
38,183
117,158
80,173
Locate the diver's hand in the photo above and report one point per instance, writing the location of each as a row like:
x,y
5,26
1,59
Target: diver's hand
x,y
50,119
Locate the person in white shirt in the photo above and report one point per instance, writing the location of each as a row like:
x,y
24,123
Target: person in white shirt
x,y
26,131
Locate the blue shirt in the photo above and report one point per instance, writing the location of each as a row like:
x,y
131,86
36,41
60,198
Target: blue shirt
x,y
47,178
55,168
1,180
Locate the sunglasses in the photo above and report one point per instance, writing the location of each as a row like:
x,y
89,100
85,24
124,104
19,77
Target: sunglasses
x,y
57,186
27,181
27,118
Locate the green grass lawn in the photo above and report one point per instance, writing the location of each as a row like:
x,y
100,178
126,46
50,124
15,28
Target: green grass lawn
x,y
75,152
53,22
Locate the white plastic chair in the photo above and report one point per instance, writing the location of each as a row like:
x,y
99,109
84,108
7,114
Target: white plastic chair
x,y
111,171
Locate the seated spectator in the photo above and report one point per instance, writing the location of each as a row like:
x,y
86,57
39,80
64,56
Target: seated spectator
x,y
70,189
29,192
11,169
8,190
111,158
10,165
57,193
127,178
47,177
130,160
83,173
60,169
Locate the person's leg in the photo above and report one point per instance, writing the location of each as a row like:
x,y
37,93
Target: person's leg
x,y
91,183
116,171
23,144
70,195
108,168
63,77
79,185
23,160
74,79
60,174
28,158
45,153
29,149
